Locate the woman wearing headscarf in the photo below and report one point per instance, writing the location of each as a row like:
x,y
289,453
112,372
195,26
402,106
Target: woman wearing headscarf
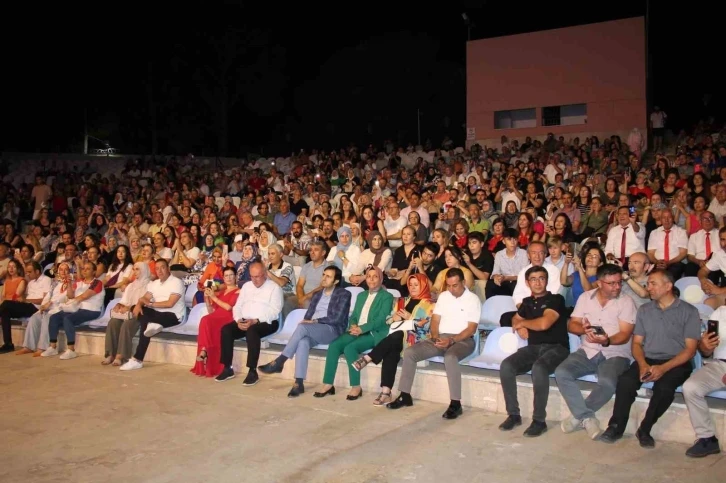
x,y
249,255
345,255
417,307
123,325
376,255
219,313
366,328
266,239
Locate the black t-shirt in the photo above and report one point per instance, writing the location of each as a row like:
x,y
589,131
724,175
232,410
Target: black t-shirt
x,y
297,206
484,262
533,308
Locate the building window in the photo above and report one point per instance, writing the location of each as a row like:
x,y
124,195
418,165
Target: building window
x,y
515,118
568,115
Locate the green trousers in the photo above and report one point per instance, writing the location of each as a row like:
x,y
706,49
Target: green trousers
x,y
351,346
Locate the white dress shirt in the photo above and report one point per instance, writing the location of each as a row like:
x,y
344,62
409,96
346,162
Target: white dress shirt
x,y
38,288
697,243
677,239
718,209
634,241
264,303
521,290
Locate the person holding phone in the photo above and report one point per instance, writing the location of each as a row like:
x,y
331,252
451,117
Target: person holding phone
x,y
625,238
711,377
604,318
667,331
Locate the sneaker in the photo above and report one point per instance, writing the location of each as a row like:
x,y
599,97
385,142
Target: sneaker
x,y
510,423
131,365
251,379
704,447
592,427
152,329
610,435
571,424
225,375
5,348
537,428
49,352
68,354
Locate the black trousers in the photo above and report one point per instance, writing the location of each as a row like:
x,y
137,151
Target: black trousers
x,y
676,270
166,319
231,332
691,270
108,296
664,390
10,309
506,288
388,351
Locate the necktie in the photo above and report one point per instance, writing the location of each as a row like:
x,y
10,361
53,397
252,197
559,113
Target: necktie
x,y
708,245
666,247
622,246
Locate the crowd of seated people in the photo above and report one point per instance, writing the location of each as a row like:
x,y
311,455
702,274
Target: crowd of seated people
x,y
551,224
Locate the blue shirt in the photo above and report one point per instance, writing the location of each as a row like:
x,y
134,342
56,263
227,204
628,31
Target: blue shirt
x,y
284,222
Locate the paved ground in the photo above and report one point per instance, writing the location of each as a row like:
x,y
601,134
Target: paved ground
x,y
78,421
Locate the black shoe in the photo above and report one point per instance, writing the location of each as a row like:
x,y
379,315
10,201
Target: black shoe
x,y
645,439
401,401
704,447
353,398
453,412
5,348
296,390
251,379
537,428
270,368
329,392
510,423
610,435
226,375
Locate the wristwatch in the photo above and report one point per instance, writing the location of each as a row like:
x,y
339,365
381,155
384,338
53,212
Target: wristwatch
x,y
607,344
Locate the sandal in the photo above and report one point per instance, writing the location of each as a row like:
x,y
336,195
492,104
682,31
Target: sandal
x,y
117,362
108,360
382,399
202,358
360,364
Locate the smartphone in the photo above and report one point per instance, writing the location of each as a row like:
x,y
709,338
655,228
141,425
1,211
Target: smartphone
x,y
598,330
631,210
646,376
572,248
712,327
209,283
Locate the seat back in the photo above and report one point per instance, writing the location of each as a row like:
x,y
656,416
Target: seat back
x,y
690,289
492,310
190,323
103,320
288,328
354,292
396,294
499,343
575,342
704,311
189,294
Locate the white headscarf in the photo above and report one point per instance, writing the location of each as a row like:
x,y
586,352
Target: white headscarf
x,y
271,239
137,288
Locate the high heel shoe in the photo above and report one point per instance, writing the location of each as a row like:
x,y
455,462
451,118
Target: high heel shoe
x,y
329,392
202,358
353,398
359,364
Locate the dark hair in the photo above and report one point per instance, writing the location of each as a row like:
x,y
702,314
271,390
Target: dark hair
x,y
536,269
19,266
115,261
666,274
592,246
511,233
164,261
29,247
608,269
456,252
229,269
337,273
478,236
34,264
433,247
455,272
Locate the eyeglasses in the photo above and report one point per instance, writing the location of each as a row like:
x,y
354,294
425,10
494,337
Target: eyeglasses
x,y
612,284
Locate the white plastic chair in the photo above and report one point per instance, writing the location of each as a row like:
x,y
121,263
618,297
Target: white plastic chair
x,y
500,344
189,295
354,292
191,326
704,311
690,288
288,327
103,320
219,201
396,294
492,310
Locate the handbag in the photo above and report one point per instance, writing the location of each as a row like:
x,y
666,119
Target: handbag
x,y
403,325
70,306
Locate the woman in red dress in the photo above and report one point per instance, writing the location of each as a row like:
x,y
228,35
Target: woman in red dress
x,y
219,304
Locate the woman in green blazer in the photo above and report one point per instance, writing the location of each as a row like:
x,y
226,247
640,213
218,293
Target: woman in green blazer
x,y
365,330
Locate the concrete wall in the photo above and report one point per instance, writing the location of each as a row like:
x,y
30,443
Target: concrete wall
x,y
601,65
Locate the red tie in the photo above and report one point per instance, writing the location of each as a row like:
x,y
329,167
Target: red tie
x,y
622,246
666,247
708,245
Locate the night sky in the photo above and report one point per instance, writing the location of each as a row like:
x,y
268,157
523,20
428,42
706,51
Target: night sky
x,y
306,76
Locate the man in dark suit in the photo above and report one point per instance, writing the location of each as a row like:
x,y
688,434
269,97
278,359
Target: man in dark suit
x,y
326,319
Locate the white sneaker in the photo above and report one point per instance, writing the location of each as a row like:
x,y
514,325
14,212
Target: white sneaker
x,y
592,426
68,354
571,424
131,365
152,329
49,352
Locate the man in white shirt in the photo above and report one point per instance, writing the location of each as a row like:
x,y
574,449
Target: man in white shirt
x,y
415,205
717,295
454,325
394,224
160,308
537,254
625,238
668,246
718,205
711,377
256,315
702,244
27,305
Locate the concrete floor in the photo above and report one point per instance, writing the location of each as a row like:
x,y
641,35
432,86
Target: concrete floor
x,y
78,421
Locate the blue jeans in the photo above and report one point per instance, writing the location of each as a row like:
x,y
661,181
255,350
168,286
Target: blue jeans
x,y
69,321
305,337
577,365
